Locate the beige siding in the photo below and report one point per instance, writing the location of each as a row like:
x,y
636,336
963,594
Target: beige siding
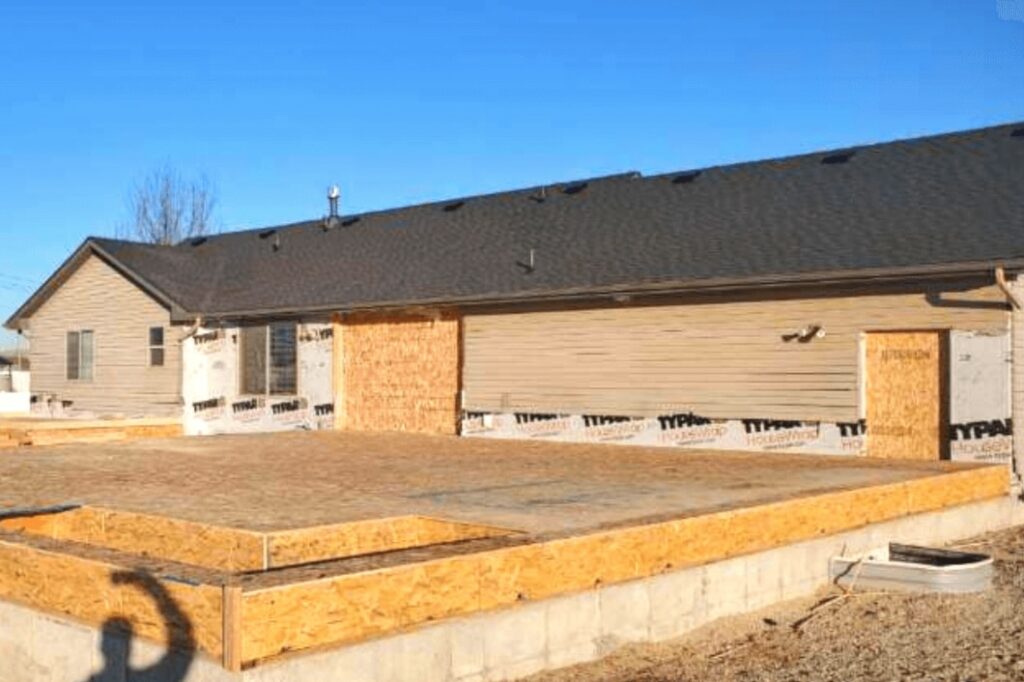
x,y
720,359
120,314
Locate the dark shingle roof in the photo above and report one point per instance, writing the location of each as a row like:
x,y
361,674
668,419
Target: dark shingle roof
x,y
935,201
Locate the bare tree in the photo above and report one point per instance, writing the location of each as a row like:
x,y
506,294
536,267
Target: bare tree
x,y
164,208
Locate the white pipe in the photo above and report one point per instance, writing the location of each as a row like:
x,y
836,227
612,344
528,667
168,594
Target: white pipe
x,y
195,327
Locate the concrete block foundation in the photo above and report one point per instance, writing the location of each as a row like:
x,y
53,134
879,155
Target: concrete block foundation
x,y
508,643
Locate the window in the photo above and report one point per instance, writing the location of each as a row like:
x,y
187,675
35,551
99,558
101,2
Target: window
x,y
156,346
268,359
79,355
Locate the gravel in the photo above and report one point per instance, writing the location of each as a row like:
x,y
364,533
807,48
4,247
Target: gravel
x,y
860,637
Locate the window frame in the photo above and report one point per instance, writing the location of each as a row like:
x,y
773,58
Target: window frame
x,y
79,334
268,365
162,347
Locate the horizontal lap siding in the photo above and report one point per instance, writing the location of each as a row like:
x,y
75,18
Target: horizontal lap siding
x,y
724,360
120,314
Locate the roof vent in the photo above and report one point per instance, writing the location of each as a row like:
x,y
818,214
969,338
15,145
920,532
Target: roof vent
x,y
574,188
197,241
333,194
268,233
685,178
332,220
540,196
840,157
454,206
1018,132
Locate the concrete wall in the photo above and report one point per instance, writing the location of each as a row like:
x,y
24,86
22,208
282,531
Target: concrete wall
x,y
98,298
211,383
510,643
399,372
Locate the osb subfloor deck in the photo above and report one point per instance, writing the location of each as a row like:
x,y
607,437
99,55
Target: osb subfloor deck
x,y
295,480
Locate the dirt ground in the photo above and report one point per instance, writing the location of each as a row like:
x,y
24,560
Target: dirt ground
x,y
865,636
301,479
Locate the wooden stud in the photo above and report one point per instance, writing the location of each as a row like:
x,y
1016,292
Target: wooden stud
x,y
232,637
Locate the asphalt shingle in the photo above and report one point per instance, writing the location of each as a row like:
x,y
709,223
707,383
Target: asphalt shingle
x,y
932,201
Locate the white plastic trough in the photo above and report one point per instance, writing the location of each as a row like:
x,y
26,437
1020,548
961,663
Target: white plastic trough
x,y
914,569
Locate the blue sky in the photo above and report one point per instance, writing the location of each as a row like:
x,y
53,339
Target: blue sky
x,y
401,102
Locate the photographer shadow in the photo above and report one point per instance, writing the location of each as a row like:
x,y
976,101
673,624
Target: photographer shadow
x,y
118,633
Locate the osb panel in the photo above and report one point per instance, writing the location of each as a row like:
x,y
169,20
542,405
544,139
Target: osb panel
x,y
183,541
232,549
361,605
906,400
101,434
399,372
55,432
287,548
232,627
94,592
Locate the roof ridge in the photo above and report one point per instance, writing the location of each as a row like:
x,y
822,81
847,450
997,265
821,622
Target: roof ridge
x,y
834,150
618,176
427,204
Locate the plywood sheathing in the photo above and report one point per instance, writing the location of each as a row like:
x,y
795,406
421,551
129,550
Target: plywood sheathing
x,y
188,542
306,545
360,605
232,627
94,592
906,396
237,550
59,431
399,372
